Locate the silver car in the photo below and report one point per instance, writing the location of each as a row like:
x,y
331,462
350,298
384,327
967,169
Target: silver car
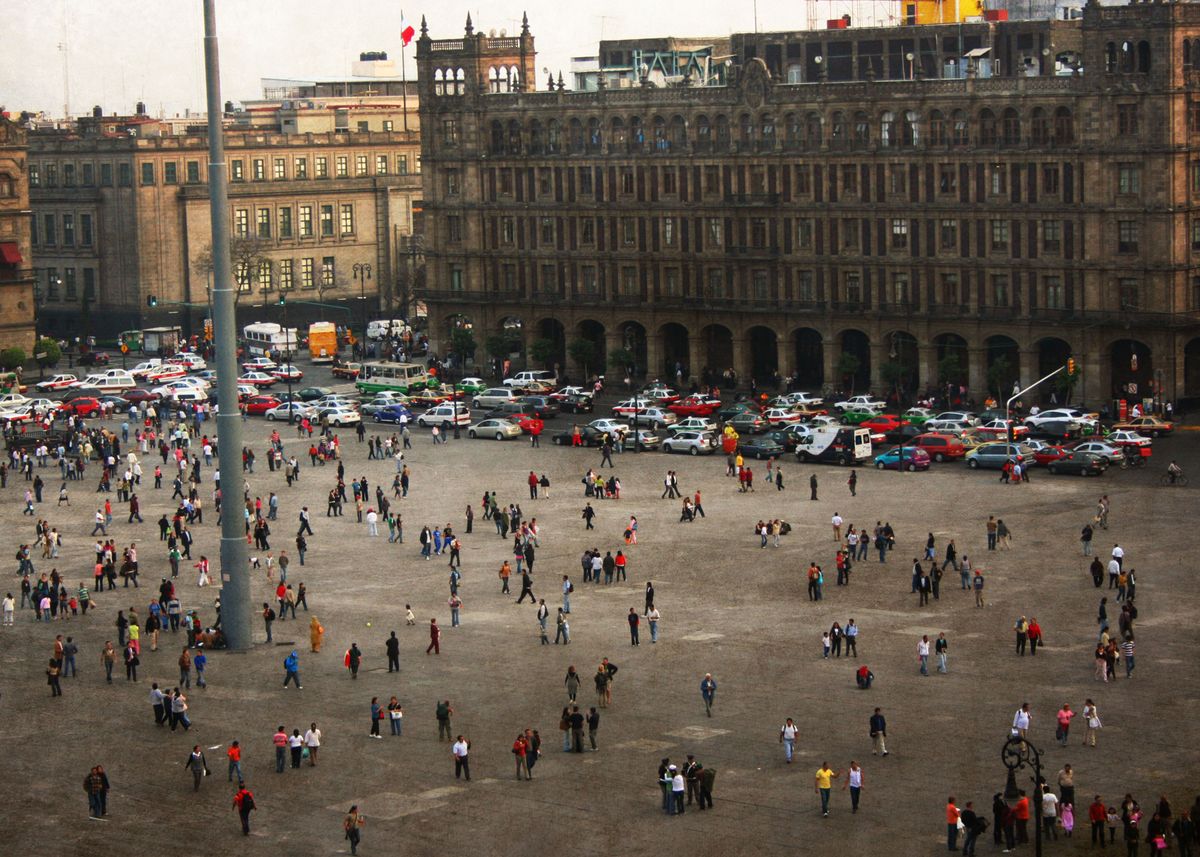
x,y
493,397
691,442
496,428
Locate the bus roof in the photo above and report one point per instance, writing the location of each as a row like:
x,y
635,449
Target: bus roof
x,y
322,326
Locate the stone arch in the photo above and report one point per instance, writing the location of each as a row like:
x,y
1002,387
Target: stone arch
x,y
593,331
1039,127
514,79
856,343
575,138
1132,369
901,371
813,130
1143,57
809,349
658,134
861,130
513,144
766,131
460,81
763,345
960,128
1125,57
718,348
1191,368
704,135
910,128
637,132
633,340
745,131
678,133
887,129
496,138
595,134
675,345
953,359
723,134
988,128
1003,363
553,331
508,342
618,135
439,82
1052,353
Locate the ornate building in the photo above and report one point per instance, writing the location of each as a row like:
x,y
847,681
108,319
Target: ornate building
x,y
890,206
16,272
121,213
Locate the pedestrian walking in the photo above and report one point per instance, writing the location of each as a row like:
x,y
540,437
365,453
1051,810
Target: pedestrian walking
x,y
823,785
854,783
461,751
352,824
197,764
787,737
878,726
708,691
243,802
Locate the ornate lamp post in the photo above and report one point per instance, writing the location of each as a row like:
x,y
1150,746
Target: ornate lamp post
x,y
1018,754
362,273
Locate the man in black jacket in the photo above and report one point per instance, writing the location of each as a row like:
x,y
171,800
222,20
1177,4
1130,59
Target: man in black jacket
x,y
879,733
393,653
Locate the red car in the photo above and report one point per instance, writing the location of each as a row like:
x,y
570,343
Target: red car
x,y
138,395
259,405
695,406
1047,454
528,423
883,423
84,406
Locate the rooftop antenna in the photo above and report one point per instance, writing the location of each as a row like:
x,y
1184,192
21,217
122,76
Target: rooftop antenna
x,y
64,49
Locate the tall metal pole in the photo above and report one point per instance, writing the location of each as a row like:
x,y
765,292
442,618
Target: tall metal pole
x,y
236,611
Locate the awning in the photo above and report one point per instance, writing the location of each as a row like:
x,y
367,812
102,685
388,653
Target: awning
x,y
9,254
977,53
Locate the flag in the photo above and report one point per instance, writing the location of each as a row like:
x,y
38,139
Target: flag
x,y
406,32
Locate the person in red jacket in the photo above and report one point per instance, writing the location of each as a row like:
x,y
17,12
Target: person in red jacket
x,y
1021,811
1035,635
1096,816
243,802
533,485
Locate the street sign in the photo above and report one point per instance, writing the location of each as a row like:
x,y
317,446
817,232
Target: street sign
x,y
124,348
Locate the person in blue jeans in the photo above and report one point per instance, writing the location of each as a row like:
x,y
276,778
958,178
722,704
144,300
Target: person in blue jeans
x,y
787,737
823,785
291,666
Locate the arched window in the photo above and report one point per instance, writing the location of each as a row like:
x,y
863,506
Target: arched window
x,y
887,130
812,131
494,80
839,137
1143,57
766,125
460,82
553,137
618,136
497,138
988,133
745,132
1110,57
862,131
961,132
910,131
514,137
594,135
1187,55
514,79
575,136
678,136
1125,60
637,134
537,138
7,185
703,134
659,132
793,133
937,128
439,83
723,133
1039,127
1010,128
1064,127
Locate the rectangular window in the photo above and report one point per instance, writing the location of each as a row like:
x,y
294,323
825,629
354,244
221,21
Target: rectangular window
x,y
998,176
342,166
1053,291
1196,292
1129,178
850,179
1196,234
85,230
279,169
899,295
1127,236
949,293
35,175
898,179
147,174
263,221
508,231
106,176
89,175
806,289
241,222
947,179
849,230
853,283
89,283
1051,236
300,168
587,231
549,279
716,284
1194,176
456,279
1050,178
547,231
52,284
321,167
364,126
899,233
49,230
266,280
285,222
360,165
388,125
670,181
505,177
803,180
545,180
68,175
1127,293
588,284
68,224
1000,235
669,231
327,277
453,228
508,281
671,283
33,231
346,218
804,233
450,133
381,165
1127,120
716,232
286,273
259,166
452,182
326,221
306,274
170,173
628,231
306,221
586,187
948,234
241,276
712,179
237,170
627,180
51,175
193,172
1000,290
402,164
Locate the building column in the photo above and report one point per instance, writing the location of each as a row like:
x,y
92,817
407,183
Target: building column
x,y
879,355
740,358
1095,387
1028,358
785,353
654,367
977,384
829,358
926,366
695,356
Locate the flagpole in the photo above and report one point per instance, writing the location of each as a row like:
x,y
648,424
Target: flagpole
x,y
403,74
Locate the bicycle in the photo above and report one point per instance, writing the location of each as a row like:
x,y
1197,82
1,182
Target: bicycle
x,y
1180,480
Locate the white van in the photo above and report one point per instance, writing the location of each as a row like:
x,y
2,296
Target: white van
x,y
116,383
381,327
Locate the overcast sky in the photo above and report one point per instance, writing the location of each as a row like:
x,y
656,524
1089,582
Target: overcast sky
x,y
124,51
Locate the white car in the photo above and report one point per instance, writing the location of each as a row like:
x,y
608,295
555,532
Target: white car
x,y
445,416
691,442
193,362
144,368
637,404
497,428
247,390
523,379
861,403
799,398
781,416
186,394
1107,451
258,379
1128,438
693,424
58,382
343,416
565,392
165,372
1066,415
609,425
969,417
943,425
169,389
661,394
260,364
492,397
280,412
287,373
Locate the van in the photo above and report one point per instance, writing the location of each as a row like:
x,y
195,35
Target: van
x,y
445,416
382,327
116,383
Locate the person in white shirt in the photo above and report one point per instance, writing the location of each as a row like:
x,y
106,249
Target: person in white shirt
x,y
296,744
461,765
787,737
837,526
923,654
312,740
1021,721
1118,554
372,522
1049,814
854,782
653,617
678,788
10,606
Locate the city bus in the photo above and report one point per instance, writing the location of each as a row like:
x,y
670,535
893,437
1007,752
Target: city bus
x,y
322,341
398,377
266,339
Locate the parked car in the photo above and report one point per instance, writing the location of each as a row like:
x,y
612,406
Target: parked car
x,y
918,416
523,379
1056,430
692,442
1152,426
693,424
165,372
138,395
541,406
287,372
350,371
748,422
258,379
905,433
93,358
781,416
58,382
445,416
1000,429
259,364
856,416
471,385
340,416
576,403
1085,419
1080,463
940,447
609,425
969,417
299,411
695,406
655,418
1128,438
310,394
379,403
760,447
1108,451
512,411
944,425
903,458
994,455
493,396
499,429
863,402
259,405
393,414
882,423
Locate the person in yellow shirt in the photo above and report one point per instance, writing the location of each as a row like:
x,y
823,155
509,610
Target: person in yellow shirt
x,y
823,785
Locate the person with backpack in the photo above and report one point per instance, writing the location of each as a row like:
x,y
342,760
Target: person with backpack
x,y
352,824
291,667
243,802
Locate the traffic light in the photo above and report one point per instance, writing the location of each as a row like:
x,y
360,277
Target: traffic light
x,y
152,301
283,300
208,331
1070,365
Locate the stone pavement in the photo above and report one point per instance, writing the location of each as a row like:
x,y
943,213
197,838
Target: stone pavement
x,y
728,607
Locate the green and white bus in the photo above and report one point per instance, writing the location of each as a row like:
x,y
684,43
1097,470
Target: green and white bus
x,y
397,377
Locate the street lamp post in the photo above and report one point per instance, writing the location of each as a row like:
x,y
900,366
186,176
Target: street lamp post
x,y
1017,754
289,345
362,273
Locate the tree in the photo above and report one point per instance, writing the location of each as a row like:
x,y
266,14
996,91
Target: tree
x,y
49,348
583,352
623,359
542,350
847,367
501,345
246,256
950,369
462,343
12,359
1001,376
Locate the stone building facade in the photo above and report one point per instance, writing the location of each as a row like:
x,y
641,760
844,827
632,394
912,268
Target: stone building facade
x,y
970,203
120,217
16,268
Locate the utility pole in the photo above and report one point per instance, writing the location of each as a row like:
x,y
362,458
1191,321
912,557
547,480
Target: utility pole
x,y
235,577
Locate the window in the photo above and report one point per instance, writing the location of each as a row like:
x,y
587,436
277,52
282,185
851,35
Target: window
x,y
1053,292
587,280
669,232
402,164
35,175
545,180
89,283
360,165
285,222
998,176
1129,178
388,125
259,168
899,233
52,284
853,284
629,282
587,231
124,175
89,175
51,175
68,224
381,165
286,281
1194,176
949,290
85,230
508,280
508,231
850,179
947,179
1196,292
505,181
326,221
1127,293
948,234
364,125
849,233
806,290
760,284
453,228
1050,178
241,276
237,170
147,174
327,277
715,232
1196,234
49,230
1127,120
804,234
758,232
1000,290
321,167
342,166
628,231
33,231
193,172
68,175
999,235
670,182
263,221
898,179
627,180
547,231
1127,236
550,279
300,168
266,280
803,180
170,173
712,179
456,279
241,222
450,133
899,294
306,221
716,283
306,274
346,218
586,186
1051,236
